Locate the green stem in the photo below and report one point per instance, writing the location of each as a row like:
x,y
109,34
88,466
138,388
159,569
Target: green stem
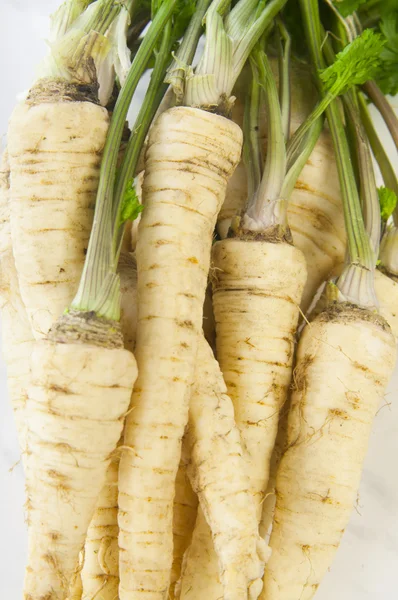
x,y
227,47
385,166
296,162
356,282
143,121
384,107
65,16
101,261
369,195
247,41
347,24
284,76
266,208
251,148
317,112
103,17
186,52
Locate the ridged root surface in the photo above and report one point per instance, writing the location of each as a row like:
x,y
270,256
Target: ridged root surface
x,y
345,359
185,511
257,289
100,573
190,156
218,474
75,410
55,155
17,337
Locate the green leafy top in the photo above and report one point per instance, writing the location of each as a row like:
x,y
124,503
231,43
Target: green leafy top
x,y
354,65
388,74
388,201
347,7
183,14
131,206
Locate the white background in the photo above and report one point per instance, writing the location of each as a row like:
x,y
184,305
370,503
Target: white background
x,y
366,567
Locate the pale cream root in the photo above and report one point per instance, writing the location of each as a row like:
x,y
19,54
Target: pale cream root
x,y
190,156
200,569
316,219
100,573
17,343
75,411
17,338
184,516
55,154
344,362
387,295
268,508
218,474
5,230
257,289
315,211
76,588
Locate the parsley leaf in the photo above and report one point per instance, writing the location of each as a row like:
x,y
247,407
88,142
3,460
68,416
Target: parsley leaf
x,y
354,65
387,78
347,7
131,206
388,201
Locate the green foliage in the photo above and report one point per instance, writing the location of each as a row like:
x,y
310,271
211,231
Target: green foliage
x,y
387,78
292,18
376,8
354,65
388,201
347,7
131,206
182,15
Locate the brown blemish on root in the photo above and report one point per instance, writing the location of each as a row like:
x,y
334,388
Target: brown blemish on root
x,y
277,234
187,324
193,260
56,475
59,389
360,367
57,91
336,412
353,399
86,328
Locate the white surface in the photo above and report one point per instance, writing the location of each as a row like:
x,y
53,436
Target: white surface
x,y
366,564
